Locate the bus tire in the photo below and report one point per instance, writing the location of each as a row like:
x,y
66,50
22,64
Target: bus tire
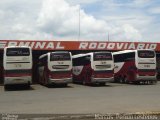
x,y
125,80
116,79
154,82
84,82
102,84
137,82
28,86
65,85
5,87
45,79
120,79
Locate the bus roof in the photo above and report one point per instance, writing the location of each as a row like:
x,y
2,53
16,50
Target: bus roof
x,y
129,51
60,52
43,55
53,52
18,47
86,54
81,55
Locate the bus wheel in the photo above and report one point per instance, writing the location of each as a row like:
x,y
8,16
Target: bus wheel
x,y
28,86
5,87
45,79
125,80
144,82
137,82
153,82
84,82
116,79
102,84
74,80
65,85
121,80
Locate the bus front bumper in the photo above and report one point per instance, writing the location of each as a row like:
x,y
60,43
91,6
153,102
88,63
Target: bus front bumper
x,y
102,80
60,81
146,78
17,80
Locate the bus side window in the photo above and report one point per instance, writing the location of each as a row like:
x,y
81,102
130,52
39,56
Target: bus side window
x,y
118,58
129,56
124,57
81,61
42,61
87,60
76,62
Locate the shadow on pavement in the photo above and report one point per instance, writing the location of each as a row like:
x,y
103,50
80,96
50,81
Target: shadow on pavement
x,y
95,85
18,88
59,86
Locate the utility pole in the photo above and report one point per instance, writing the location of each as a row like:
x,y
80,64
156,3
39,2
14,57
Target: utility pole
x,y
79,27
108,36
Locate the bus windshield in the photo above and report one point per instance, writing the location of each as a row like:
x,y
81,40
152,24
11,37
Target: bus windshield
x,y
17,52
60,57
146,54
102,56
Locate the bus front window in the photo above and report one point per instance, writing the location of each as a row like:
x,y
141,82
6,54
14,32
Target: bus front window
x,y
103,60
146,54
60,57
60,61
17,52
102,56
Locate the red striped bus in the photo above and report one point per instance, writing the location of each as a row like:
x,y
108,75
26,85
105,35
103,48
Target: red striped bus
x,y
55,68
17,63
135,66
158,66
94,67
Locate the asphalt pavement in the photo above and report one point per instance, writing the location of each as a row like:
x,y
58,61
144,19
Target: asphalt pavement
x,y
80,99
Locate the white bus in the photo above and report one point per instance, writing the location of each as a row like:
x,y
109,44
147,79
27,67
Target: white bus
x,y
158,66
55,68
17,63
135,66
95,67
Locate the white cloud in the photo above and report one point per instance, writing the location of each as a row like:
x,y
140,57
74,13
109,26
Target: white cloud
x,y
131,33
75,2
1,14
141,2
155,10
64,21
59,19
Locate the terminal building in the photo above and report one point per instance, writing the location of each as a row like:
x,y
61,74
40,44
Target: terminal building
x,y
76,47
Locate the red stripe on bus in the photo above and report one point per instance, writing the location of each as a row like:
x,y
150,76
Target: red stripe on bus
x,y
146,73
60,75
103,75
16,75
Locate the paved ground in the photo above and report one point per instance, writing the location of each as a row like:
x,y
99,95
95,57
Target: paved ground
x,y
79,99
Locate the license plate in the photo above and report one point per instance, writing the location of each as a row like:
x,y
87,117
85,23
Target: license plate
x,y
147,66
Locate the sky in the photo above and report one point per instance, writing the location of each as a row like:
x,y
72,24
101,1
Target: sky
x,y
91,20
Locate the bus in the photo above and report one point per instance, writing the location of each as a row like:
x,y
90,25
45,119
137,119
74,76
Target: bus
x,y
55,68
158,66
17,64
93,68
135,66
